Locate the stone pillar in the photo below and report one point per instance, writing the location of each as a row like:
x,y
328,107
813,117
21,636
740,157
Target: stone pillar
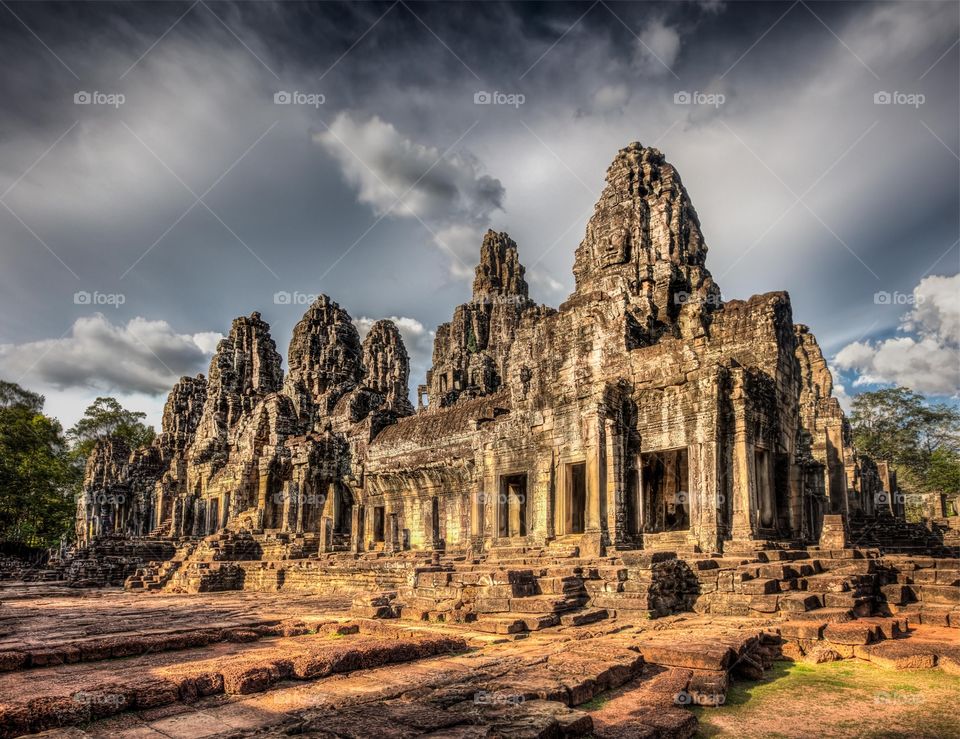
x,y
741,476
513,510
593,444
356,528
833,535
326,534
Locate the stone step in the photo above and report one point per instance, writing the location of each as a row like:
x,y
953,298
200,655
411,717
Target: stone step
x,y
580,618
799,603
545,604
824,615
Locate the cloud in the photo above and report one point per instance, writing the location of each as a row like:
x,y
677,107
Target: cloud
x,y
927,362
611,98
657,48
396,176
142,356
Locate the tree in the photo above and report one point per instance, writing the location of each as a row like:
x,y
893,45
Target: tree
x,y
922,440
104,419
37,475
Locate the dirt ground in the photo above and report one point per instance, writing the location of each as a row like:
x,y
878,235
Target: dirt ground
x,y
846,699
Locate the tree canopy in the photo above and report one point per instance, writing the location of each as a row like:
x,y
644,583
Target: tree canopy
x,y
921,439
37,475
41,468
106,418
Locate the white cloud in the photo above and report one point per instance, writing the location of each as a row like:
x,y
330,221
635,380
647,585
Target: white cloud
x,y
392,174
657,48
927,362
142,356
611,98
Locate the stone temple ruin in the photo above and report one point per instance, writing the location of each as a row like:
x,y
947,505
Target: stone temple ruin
x,y
644,413
646,449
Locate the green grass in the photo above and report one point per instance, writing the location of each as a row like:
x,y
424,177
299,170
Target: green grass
x,y
846,698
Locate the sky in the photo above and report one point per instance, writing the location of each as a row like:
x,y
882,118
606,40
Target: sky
x,y
168,166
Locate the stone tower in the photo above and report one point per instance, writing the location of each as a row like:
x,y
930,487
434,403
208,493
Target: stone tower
x,y
643,245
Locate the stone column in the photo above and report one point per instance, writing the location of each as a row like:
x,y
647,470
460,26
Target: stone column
x,y
742,478
326,534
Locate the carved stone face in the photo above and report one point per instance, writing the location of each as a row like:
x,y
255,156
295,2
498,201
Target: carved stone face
x,y
614,249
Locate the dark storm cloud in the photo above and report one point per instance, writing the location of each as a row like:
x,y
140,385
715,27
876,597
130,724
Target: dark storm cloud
x,y
800,180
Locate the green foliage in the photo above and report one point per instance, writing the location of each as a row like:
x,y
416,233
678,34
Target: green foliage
x,y
104,419
41,474
922,440
472,347
37,476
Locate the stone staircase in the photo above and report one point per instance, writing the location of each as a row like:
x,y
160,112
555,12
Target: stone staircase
x,y
155,575
893,535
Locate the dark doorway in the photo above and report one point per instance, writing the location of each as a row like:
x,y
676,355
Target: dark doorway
x,y
342,509
435,521
666,493
378,523
632,502
576,497
512,515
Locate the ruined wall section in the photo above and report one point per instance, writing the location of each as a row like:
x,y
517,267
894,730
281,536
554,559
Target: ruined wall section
x,y
387,366
244,369
324,363
471,352
822,420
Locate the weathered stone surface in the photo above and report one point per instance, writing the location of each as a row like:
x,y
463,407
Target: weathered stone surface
x,y
388,366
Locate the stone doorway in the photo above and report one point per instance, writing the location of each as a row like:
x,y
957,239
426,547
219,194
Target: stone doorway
x,y
435,534
379,524
512,513
575,500
666,495
342,509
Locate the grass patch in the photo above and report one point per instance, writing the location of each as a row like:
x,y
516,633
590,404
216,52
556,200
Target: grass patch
x,y
848,698
594,704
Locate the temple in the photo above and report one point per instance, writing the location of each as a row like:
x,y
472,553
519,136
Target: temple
x,y
643,413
